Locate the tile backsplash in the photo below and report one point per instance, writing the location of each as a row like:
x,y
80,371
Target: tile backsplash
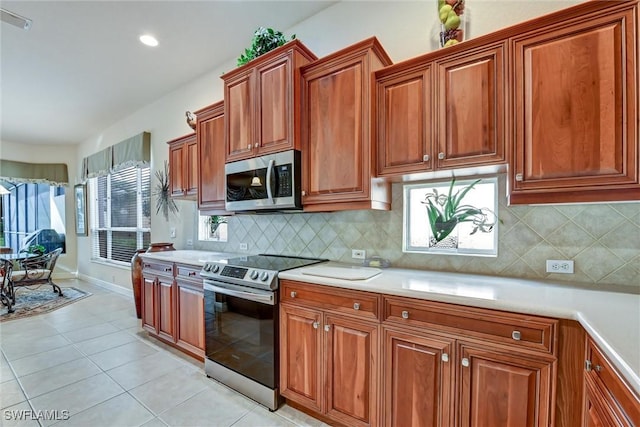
x,y
602,239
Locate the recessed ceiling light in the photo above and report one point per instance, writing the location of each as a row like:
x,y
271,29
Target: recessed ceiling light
x,y
149,40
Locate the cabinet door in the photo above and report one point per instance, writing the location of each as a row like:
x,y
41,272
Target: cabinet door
x,y
148,299
165,309
190,314
334,146
595,413
191,172
240,116
500,389
418,380
471,108
576,118
301,356
211,184
404,126
274,95
352,370
177,169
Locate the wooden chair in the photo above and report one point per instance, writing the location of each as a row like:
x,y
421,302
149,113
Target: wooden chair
x,y
35,271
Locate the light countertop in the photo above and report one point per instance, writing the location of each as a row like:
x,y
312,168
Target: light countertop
x,y
612,319
190,257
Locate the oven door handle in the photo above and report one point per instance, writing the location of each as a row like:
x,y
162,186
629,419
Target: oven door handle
x,y
265,298
268,183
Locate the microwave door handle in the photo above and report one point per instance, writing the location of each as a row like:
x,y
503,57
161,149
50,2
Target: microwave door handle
x,y
268,184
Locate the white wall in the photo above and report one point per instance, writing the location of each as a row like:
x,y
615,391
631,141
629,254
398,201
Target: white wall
x,y
405,29
68,261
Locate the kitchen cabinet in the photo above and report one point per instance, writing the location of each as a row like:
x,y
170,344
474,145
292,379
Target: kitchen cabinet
x,y
608,400
576,107
337,149
329,352
262,103
211,158
173,305
442,111
418,378
183,167
504,362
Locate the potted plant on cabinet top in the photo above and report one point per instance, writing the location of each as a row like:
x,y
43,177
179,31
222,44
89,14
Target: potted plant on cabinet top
x,y
264,40
446,211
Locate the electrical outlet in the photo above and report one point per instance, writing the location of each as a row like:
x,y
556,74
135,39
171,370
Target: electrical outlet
x,y
190,243
244,246
358,253
559,266
172,232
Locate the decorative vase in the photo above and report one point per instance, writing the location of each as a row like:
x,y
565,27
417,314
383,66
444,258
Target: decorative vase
x,y
449,242
136,280
161,247
452,22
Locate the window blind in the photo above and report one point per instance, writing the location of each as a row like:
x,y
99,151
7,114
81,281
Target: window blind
x,y
122,216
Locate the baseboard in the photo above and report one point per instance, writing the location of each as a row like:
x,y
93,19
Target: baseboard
x,y
65,275
107,285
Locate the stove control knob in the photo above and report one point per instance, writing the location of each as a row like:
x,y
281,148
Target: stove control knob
x,y
253,275
215,268
207,267
264,276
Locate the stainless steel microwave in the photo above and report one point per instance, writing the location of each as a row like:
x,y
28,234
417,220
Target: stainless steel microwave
x,y
270,182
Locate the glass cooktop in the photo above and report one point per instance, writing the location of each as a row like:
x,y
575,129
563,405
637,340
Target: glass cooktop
x,y
273,262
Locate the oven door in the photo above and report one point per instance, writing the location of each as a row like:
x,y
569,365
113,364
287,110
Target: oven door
x,y
241,330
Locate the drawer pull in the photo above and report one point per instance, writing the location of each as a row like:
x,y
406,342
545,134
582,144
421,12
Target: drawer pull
x,y
519,177
588,366
356,306
426,158
168,268
146,265
405,314
192,273
315,325
465,362
515,335
445,357
327,328
441,156
293,294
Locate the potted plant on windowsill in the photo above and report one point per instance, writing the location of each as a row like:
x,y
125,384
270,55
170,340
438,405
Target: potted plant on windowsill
x,y
446,211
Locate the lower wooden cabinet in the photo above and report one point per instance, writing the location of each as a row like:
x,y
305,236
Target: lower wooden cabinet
x,y
329,362
500,388
173,305
418,379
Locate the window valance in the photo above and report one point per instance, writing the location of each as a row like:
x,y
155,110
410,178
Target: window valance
x,y
135,151
49,173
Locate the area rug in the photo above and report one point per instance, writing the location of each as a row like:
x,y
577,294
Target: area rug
x,y
30,302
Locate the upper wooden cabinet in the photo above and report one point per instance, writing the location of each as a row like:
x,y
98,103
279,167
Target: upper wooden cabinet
x,y
576,107
211,158
262,103
337,149
442,111
183,167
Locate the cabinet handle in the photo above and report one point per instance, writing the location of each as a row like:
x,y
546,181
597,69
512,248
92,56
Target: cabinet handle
x,y
515,335
356,306
146,265
588,366
293,294
445,357
327,328
168,268
519,177
441,156
249,147
192,273
405,314
465,362
315,325
304,193
426,158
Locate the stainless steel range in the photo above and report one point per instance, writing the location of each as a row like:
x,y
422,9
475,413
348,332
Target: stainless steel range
x,y
241,323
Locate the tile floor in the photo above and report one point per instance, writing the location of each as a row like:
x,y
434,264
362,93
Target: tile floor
x,y
91,363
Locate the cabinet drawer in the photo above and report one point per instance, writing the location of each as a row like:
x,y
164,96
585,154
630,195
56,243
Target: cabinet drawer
x,y
618,396
188,272
523,331
357,303
157,267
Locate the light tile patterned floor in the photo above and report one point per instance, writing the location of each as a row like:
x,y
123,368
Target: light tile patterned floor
x,y
92,361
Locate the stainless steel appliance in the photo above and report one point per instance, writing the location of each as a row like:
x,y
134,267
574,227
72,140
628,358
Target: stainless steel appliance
x,y
241,323
270,182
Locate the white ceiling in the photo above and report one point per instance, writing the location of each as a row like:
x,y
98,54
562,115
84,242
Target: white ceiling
x,y
80,68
